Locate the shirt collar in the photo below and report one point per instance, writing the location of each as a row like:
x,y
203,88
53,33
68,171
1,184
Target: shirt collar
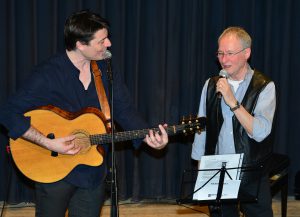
x,y
249,74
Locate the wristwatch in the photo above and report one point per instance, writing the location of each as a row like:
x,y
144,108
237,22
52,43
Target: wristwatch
x,y
237,105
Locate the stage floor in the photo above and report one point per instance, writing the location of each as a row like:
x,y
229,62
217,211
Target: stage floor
x,y
163,209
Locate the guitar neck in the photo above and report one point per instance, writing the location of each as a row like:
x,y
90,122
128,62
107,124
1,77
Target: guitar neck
x,y
134,134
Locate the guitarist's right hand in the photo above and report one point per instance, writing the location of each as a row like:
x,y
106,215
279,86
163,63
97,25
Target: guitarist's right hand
x,y
64,145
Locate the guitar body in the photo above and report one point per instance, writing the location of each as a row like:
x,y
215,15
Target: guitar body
x,y
37,163
90,128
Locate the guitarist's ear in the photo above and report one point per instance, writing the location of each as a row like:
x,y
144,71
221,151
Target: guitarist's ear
x,y
80,46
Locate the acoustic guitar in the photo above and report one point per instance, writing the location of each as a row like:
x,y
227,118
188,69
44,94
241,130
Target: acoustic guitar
x,y
90,128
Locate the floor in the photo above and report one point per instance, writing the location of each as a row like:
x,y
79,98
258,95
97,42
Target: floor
x,y
165,209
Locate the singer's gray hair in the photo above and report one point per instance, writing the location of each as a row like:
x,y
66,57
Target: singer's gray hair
x,y
240,33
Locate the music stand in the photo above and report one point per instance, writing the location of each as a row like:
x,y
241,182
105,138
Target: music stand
x,y
248,175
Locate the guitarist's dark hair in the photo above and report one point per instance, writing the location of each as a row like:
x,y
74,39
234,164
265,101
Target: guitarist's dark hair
x,y
81,26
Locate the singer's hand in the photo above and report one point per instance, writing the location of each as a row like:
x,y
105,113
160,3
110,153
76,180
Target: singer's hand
x,y
224,88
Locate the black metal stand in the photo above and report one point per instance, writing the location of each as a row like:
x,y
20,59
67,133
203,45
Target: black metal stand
x,y
114,212
218,201
221,182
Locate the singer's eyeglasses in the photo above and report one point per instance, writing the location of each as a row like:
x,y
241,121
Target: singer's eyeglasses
x,y
229,54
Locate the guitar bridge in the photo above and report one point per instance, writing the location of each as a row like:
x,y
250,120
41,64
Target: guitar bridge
x,y
52,136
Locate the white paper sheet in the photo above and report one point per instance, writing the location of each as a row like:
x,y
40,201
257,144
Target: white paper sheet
x,y
231,184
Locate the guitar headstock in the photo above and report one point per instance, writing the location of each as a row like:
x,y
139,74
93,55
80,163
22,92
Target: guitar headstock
x,y
193,124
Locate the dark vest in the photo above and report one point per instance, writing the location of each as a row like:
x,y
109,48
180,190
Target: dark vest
x,y
254,152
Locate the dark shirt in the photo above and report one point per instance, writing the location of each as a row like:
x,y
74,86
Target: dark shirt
x,y
56,82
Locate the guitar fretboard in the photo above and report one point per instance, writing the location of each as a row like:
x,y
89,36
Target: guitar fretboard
x,y
138,134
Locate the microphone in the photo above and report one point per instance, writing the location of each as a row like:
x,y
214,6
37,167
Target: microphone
x,y
222,74
107,56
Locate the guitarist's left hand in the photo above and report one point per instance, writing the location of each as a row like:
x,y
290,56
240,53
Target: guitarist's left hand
x,y
157,140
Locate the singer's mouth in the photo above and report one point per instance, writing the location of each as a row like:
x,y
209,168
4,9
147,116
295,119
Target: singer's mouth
x,y
227,68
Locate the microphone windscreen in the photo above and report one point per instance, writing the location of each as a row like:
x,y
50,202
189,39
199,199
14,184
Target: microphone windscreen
x,y
107,55
223,73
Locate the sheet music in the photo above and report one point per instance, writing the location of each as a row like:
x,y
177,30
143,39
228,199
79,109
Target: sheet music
x,y
206,187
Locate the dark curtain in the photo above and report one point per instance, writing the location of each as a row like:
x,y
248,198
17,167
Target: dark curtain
x,y
165,50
